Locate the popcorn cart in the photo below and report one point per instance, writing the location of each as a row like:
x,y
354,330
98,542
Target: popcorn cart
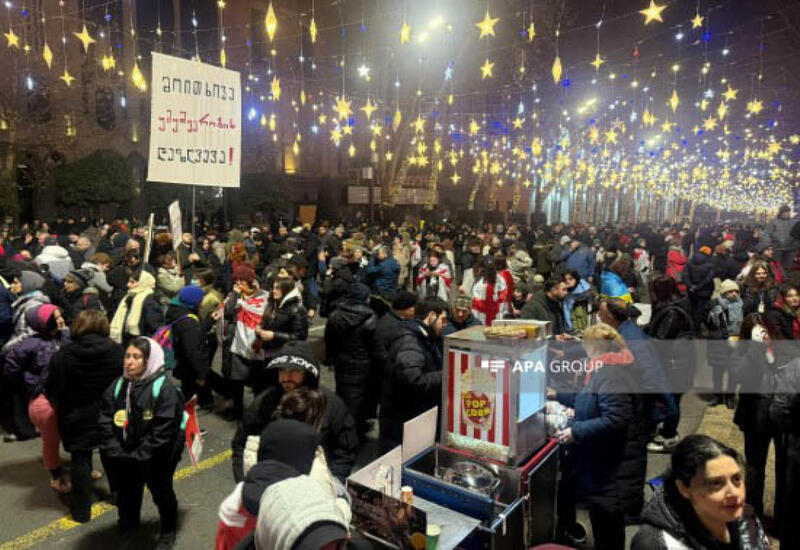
x,y
494,462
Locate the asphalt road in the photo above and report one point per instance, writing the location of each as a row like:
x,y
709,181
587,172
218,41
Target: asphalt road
x,y
34,516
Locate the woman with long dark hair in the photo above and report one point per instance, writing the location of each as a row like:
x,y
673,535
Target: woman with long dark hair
x,y
759,291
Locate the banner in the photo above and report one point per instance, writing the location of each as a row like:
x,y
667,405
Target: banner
x,y
175,227
195,123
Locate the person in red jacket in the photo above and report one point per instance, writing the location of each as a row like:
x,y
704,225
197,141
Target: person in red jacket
x,y
676,262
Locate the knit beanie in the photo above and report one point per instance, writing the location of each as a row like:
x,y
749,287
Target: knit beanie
x,y
31,281
705,250
462,302
404,300
190,296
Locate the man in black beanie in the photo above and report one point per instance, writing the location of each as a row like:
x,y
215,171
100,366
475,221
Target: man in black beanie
x,y
297,367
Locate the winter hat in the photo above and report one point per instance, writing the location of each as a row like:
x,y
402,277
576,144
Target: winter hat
x,y
705,250
79,277
299,513
357,292
299,261
31,281
259,477
404,300
538,279
764,247
462,302
296,355
50,240
565,239
244,272
291,442
190,296
38,316
337,263
728,285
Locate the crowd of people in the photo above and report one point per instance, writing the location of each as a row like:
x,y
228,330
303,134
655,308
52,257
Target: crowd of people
x,y
106,330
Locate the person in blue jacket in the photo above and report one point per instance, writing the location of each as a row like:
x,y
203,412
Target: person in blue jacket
x,y
382,273
579,257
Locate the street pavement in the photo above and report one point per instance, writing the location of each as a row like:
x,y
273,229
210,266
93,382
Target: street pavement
x,y
34,516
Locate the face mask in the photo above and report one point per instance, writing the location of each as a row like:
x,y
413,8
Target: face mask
x,y
195,282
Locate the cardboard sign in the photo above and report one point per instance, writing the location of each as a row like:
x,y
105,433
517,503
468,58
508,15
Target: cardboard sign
x,y
175,224
387,518
195,123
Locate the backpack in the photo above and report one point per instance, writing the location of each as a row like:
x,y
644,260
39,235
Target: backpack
x,y
163,337
158,383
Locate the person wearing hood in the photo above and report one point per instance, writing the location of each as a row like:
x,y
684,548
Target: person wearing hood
x,y
725,316
27,364
676,261
141,419
10,287
139,313
606,418
338,281
56,258
577,301
413,382
462,316
191,361
29,294
699,280
702,505
351,347
297,367
79,374
78,295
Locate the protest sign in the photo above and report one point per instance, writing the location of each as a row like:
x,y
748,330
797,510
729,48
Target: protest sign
x,y
175,227
195,123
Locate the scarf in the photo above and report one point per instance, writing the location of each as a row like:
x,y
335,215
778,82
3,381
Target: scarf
x,y
795,315
623,357
129,313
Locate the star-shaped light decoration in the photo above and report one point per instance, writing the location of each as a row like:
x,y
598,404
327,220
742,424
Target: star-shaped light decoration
x,y
611,136
312,30
302,97
755,106
697,22
363,72
47,55
323,118
597,62
448,73
108,62
138,78
531,32
487,25
648,119
653,12
517,123
723,155
275,88
695,129
709,124
376,129
342,108
730,93
66,77
271,22
368,108
336,136
667,126
536,147
13,39
703,104
419,125
794,139
389,156
351,151
396,120
486,69
405,33
674,101
722,110
594,135
773,148
455,178
557,70
85,38
347,130
422,160
474,127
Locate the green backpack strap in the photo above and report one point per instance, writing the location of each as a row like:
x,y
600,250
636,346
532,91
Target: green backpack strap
x,y
117,387
157,386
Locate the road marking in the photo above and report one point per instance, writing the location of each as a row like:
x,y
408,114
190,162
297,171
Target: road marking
x,y
65,524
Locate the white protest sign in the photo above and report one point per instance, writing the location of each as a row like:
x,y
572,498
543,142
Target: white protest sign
x,y
195,123
175,228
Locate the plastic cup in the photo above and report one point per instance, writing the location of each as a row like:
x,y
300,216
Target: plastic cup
x,y
433,532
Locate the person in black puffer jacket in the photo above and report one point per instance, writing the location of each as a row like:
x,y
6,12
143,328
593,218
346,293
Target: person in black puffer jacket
x,y
335,287
351,347
191,360
79,374
785,415
284,320
698,276
297,367
696,512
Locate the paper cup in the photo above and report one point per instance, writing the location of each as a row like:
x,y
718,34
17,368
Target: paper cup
x,y
433,533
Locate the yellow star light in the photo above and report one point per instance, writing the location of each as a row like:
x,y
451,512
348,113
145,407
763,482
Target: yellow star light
x,y
710,123
84,37
597,62
223,58
422,161
389,156
557,70
611,136
730,93
674,100
302,97
13,39
487,25
666,127
108,62
722,110
794,139
66,77
517,123
455,178
323,119
648,119
138,78
474,127
405,33
755,106
531,32
376,129
486,70
419,125
695,129
271,22
347,130
312,30
396,120
412,160
336,136
703,104
594,134
536,147
275,88
351,151
653,12
773,148
47,55
342,108
697,22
